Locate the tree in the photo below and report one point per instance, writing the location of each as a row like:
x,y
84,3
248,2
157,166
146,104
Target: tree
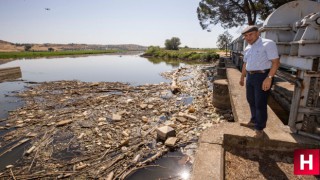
x,y
172,44
234,13
27,47
50,49
223,40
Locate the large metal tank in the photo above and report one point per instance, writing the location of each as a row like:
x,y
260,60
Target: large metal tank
x,y
295,27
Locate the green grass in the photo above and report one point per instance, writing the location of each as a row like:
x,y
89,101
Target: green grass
x,y
183,54
31,54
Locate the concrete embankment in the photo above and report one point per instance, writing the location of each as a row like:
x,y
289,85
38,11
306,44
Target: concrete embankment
x,y
215,141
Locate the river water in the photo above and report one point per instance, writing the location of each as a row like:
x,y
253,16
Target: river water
x,y
131,69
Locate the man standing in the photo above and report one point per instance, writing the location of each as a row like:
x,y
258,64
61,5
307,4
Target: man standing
x,y
261,61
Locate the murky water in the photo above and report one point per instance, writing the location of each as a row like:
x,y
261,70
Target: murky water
x,y
132,69
171,166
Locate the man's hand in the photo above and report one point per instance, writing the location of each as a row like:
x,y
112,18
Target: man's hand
x,y
241,82
266,84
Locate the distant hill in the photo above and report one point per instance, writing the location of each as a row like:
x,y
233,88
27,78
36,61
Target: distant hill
x,y
11,47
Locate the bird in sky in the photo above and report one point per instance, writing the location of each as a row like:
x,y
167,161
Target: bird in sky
x,y
48,9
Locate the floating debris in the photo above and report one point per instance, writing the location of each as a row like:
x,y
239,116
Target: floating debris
x,y
108,129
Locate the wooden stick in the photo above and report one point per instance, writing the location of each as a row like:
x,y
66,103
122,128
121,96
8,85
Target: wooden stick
x,y
154,157
12,174
33,159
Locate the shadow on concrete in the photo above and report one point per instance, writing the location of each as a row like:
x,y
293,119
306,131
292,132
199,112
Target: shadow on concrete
x,y
262,164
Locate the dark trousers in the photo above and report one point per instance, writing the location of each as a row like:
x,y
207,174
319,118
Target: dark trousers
x,y
257,99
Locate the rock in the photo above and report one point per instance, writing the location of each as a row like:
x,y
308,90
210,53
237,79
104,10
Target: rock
x,y
171,141
164,132
124,149
181,119
144,119
155,112
129,101
169,123
150,106
107,146
163,110
191,109
116,117
145,127
143,106
124,142
85,124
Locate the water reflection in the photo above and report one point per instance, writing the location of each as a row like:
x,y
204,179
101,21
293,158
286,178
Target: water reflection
x,y
172,62
8,101
169,166
112,68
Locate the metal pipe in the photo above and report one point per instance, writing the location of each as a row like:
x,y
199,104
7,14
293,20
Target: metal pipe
x,y
288,77
314,136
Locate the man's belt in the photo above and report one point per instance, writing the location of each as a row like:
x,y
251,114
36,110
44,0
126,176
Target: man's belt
x,y
258,71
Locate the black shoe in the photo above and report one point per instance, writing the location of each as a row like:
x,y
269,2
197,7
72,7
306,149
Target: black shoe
x,y
248,124
258,134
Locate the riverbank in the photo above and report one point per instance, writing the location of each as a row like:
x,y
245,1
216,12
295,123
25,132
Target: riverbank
x,y
37,54
205,55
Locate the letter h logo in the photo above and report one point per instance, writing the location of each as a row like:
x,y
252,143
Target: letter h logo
x,y
307,162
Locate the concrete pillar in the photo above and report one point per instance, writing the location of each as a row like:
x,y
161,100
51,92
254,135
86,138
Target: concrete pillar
x,y
221,72
220,95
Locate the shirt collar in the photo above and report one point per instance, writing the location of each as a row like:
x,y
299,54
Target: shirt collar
x,y
257,41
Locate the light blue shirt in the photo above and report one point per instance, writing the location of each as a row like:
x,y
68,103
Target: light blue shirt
x,y
258,56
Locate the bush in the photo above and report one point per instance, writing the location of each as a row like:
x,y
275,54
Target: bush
x,y
205,55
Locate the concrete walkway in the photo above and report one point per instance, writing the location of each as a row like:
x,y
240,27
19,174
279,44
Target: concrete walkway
x,y
209,159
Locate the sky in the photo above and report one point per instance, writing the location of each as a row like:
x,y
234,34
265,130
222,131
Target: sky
x,y
142,22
